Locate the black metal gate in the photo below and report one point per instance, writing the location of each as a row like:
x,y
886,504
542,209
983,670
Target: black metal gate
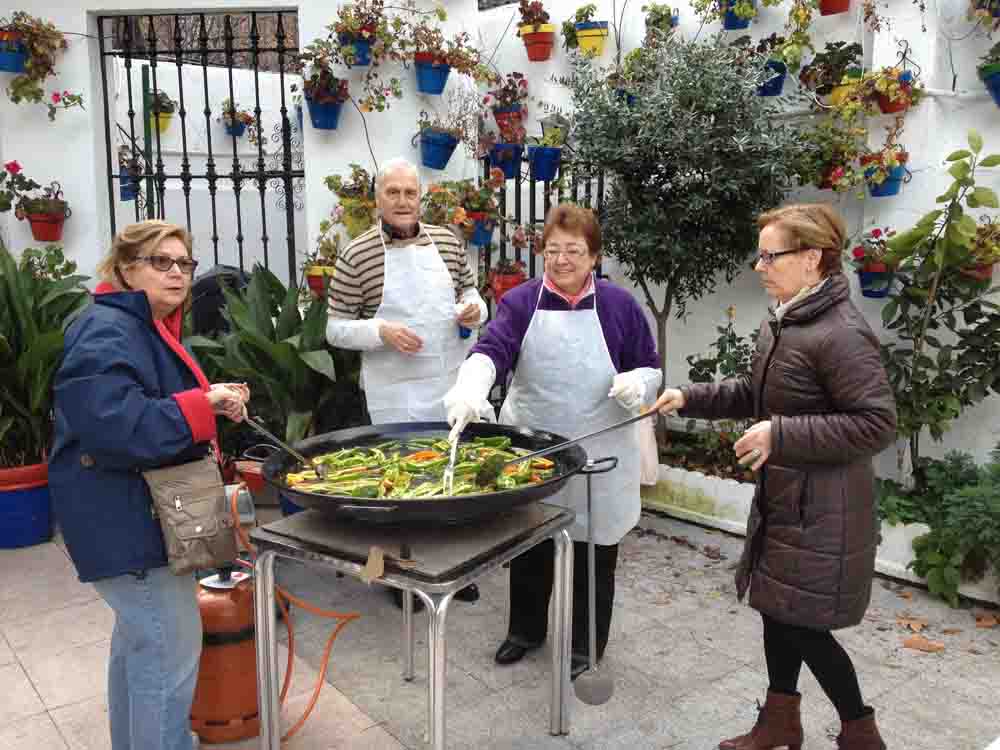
x,y
142,169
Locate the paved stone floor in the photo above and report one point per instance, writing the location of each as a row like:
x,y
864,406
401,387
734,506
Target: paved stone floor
x,y
686,658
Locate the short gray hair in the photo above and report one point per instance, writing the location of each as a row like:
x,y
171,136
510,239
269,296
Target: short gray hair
x,y
394,165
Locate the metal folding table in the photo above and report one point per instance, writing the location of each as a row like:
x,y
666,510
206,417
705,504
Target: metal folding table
x,y
431,562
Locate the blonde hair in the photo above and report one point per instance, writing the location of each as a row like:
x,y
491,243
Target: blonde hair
x,y
813,225
135,240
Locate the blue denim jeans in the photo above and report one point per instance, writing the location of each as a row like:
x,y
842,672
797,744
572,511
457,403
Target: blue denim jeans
x,y
153,667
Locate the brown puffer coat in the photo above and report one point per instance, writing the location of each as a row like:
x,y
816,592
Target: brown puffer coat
x,y
809,554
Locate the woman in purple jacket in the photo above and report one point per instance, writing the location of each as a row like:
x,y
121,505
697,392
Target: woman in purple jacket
x,y
582,357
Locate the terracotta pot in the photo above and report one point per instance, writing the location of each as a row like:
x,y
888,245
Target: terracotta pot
x,y
538,40
501,283
888,106
875,267
46,227
316,278
832,7
981,272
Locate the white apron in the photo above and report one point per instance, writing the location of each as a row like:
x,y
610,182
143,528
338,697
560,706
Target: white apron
x,y
561,383
419,293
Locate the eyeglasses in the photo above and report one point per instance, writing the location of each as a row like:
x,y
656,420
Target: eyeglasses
x,y
571,253
767,257
164,263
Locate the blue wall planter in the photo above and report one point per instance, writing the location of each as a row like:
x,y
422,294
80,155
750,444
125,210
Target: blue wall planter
x,y
507,156
324,116
482,235
891,184
875,284
625,96
773,86
236,129
992,83
731,21
25,516
298,113
431,78
362,49
12,60
436,148
543,162
128,186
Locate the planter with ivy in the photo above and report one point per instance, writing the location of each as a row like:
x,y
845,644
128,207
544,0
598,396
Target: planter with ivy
x,y
989,72
13,54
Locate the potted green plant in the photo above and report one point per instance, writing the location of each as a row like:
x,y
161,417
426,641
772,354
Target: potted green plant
x,y
355,200
509,98
660,19
869,258
984,252
434,57
584,33
237,119
506,149
441,205
770,49
357,28
161,110
885,170
45,212
989,71
830,156
38,298
481,208
734,14
128,174
535,30
318,267
833,70
324,93
29,48
506,274
545,156
891,89
440,133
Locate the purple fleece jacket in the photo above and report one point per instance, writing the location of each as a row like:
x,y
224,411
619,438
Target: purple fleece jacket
x,y
626,331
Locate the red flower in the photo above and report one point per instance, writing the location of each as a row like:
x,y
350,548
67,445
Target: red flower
x,y
12,166
858,252
56,96
837,174
876,233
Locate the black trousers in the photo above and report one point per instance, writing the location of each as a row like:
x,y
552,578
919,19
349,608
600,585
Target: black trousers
x,y
531,577
786,647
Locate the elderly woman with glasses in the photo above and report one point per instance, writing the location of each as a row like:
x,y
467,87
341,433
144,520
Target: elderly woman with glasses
x,y
582,357
130,397
822,408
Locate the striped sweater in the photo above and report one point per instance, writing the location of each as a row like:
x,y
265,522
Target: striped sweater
x,y
356,287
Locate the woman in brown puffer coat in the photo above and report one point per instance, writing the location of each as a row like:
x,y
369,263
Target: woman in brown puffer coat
x,y
822,408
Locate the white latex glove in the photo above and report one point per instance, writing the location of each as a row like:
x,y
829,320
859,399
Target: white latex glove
x,y
471,296
630,389
466,401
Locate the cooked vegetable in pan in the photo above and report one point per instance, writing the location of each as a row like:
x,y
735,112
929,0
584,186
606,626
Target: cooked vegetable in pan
x,y
414,468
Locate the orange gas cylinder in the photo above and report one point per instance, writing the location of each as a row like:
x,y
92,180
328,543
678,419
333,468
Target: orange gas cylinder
x,y
225,698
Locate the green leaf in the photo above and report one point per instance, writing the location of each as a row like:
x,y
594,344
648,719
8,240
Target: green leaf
x,y
321,362
889,311
993,160
985,197
956,155
959,170
203,342
975,141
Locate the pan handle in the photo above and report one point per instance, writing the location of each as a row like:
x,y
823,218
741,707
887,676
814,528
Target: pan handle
x,y
253,453
600,465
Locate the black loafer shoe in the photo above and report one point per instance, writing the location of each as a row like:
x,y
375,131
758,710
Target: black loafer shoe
x,y
510,652
469,594
578,665
397,597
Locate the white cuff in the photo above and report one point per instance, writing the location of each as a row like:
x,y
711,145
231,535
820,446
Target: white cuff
x,y
472,296
651,378
361,335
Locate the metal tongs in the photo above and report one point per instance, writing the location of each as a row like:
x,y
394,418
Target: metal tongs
x,y
321,470
449,472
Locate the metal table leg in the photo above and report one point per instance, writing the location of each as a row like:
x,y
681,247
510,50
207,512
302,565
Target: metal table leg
x,y
408,635
562,591
437,611
267,654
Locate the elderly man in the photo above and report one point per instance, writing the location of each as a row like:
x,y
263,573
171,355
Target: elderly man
x,y
399,294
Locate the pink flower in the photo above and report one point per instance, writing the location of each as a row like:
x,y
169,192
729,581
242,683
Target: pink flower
x,y
12,166
876,233
837,174
858,252
56,97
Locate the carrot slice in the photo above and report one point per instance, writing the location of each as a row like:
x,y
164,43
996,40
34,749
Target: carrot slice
x,y
424,456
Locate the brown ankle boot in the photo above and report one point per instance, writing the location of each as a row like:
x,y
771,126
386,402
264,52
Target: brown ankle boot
x,y
860,734
779,724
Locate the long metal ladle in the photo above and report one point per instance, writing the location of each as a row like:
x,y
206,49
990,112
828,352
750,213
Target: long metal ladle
x,y
321,470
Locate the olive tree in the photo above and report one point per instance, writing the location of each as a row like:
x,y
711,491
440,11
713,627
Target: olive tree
x,y
694,156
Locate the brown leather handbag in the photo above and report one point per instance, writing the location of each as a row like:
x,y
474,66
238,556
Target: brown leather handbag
x,y
198,528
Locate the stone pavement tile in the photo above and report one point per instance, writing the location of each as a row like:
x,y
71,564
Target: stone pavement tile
x,y
84,725
61,628
373,738
36,733
52,584
333,719
671,656
932,717
6,655
19,697
69,676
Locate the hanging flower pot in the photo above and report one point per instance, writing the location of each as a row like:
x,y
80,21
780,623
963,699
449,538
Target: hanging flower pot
x,y
504,115
501,283
25,506
833,7
731,21
160,121
543,162
839,93
436,148
46,227
990,76
591,36
482,234
875,279
128,186
432,75
981,272
316,275
46,216
538,40
324,115
362,49
236,129
888,107
892,183
774,84
507,157
12,53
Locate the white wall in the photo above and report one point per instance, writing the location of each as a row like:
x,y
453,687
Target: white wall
x,y
72,149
